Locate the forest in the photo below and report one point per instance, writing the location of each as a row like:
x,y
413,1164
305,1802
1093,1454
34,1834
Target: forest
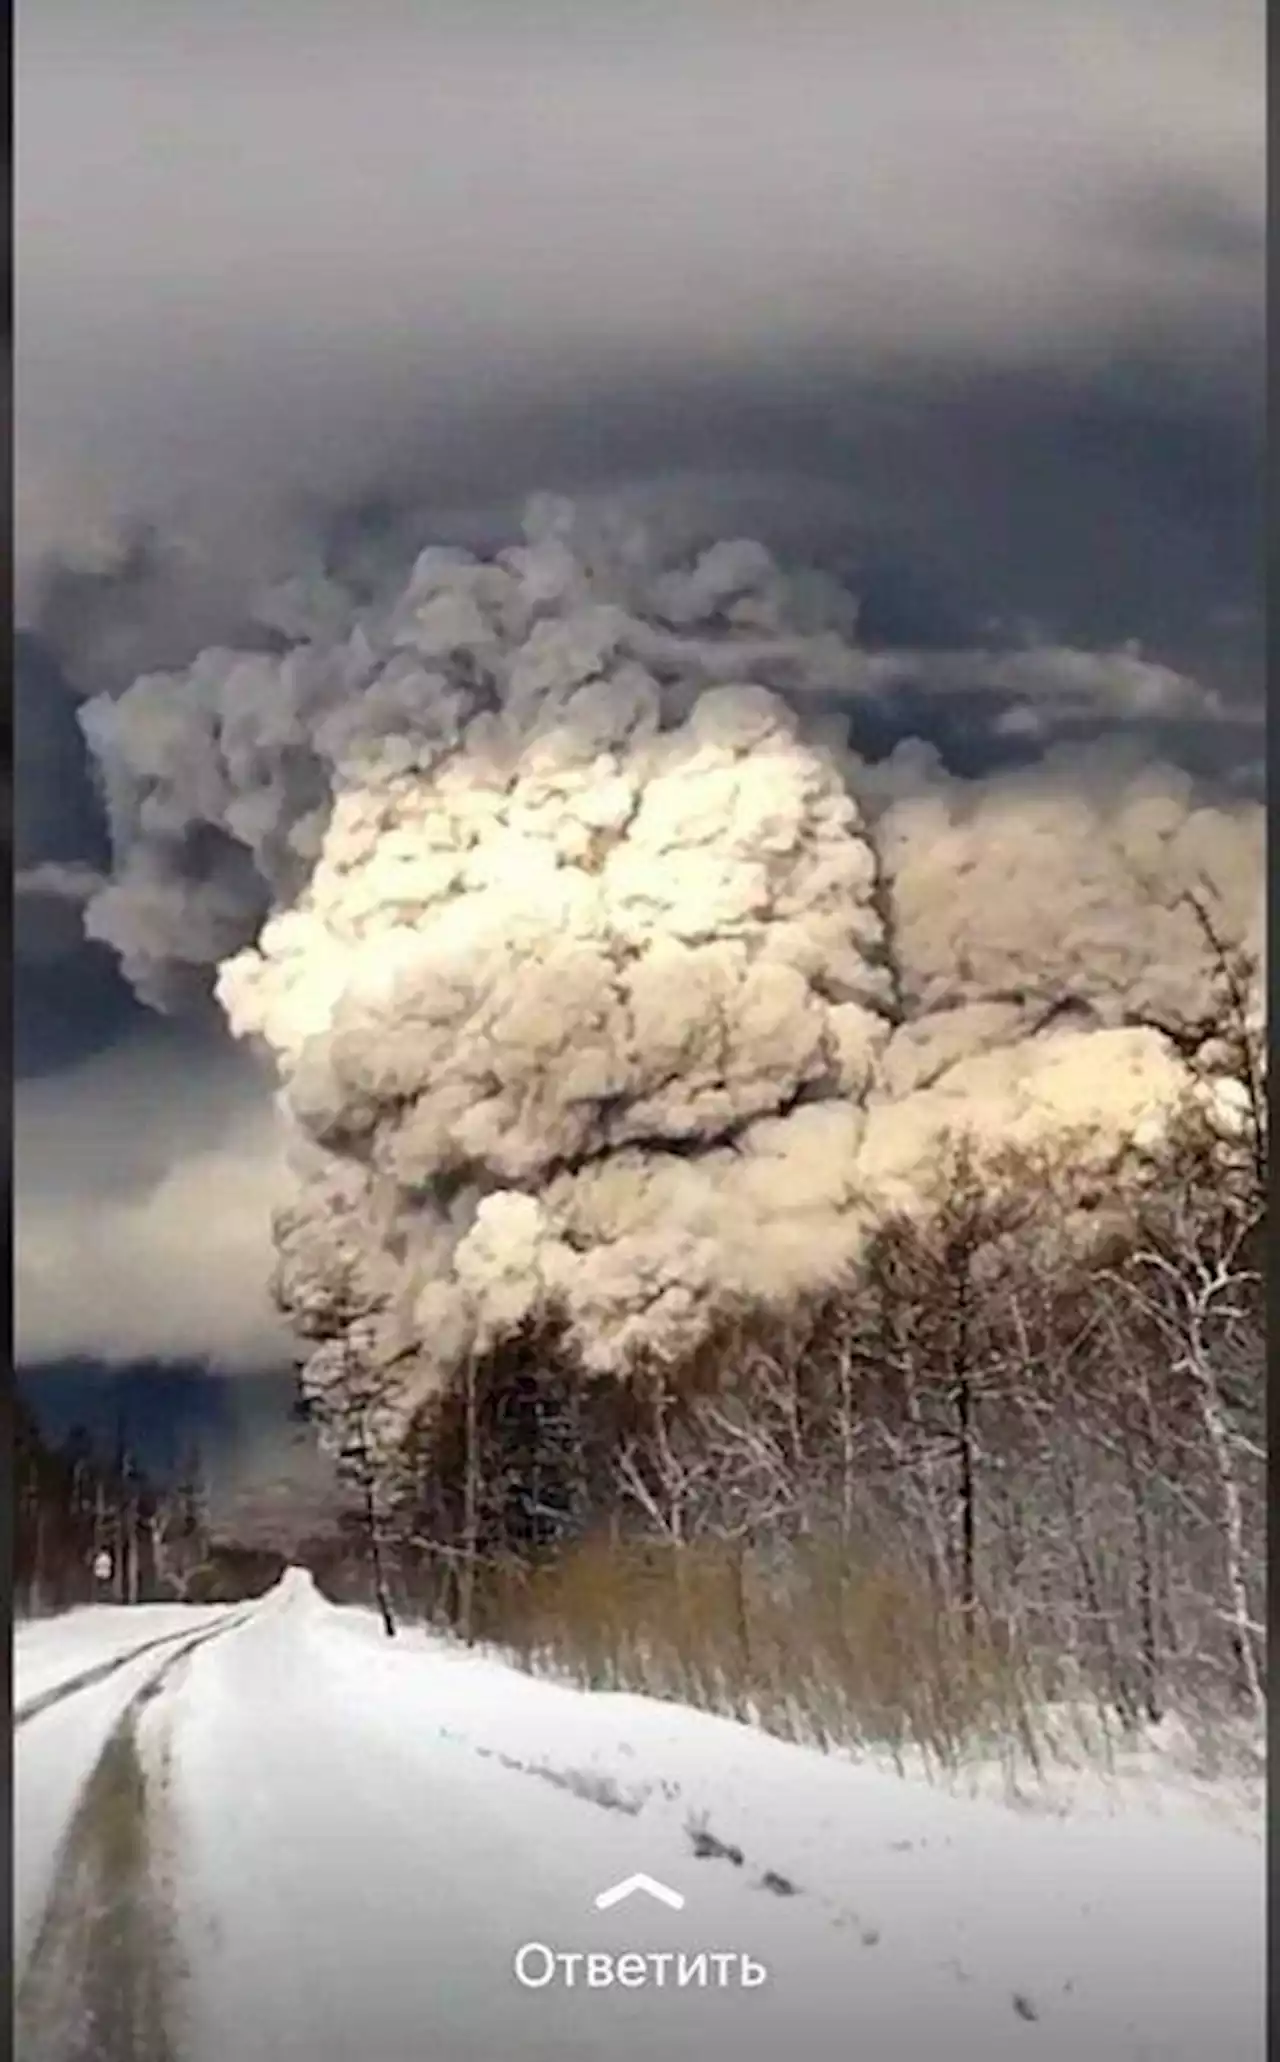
x,y
1007,1475
90,1527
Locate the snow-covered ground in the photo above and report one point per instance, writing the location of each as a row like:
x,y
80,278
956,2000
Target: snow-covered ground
x,y
351,1838
73,1677
50,1652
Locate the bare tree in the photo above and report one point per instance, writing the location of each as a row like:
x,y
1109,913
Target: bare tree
x,y
1201,1300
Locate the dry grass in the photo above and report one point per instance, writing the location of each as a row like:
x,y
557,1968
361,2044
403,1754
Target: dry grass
x,y
822,1652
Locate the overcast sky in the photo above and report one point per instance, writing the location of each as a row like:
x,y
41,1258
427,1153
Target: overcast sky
x,y
1003,258
964,302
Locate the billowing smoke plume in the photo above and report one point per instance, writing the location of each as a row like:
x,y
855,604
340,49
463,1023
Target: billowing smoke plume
x,y
595,965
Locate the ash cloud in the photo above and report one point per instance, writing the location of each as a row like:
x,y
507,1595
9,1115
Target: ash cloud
x,y
991,279
965,310
595,964
147,1176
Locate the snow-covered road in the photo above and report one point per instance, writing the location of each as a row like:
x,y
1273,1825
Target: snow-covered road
x,y
282,1836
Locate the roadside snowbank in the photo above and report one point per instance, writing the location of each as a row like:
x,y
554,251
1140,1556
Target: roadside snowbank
x,y
57,1748
351,1838
1134,1932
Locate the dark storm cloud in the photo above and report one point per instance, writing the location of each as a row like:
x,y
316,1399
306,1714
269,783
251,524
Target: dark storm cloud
x,y
70,999
143,1155
963,303
264,1474
147,1175
893,252
56,815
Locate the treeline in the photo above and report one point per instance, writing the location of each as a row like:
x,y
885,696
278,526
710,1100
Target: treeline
x,y
1012,1464
78,1510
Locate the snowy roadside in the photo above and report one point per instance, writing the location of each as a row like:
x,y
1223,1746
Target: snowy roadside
x,y
1158,1771
341,1842
56,1752
355,1878
1141,1910
102,1975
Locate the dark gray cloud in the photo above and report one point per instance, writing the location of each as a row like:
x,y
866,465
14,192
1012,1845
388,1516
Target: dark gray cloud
x,y
70,997
993,274
147,1174
963,304
265,1476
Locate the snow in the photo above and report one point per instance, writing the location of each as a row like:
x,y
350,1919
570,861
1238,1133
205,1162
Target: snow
x,y
55,1749
48,1652
356,1835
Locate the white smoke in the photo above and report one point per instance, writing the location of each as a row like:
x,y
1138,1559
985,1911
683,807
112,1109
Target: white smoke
x,y
593,969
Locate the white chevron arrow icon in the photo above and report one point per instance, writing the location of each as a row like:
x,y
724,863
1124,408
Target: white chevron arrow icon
x,y
649,1884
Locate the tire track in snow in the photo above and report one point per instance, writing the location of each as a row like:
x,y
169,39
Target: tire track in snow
x,y
99,1673
98,1986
